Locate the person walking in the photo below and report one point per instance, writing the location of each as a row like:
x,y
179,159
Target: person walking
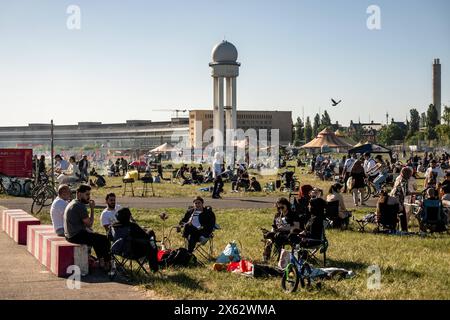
x,y
358,182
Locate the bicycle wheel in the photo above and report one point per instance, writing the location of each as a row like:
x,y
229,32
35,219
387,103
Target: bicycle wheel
x,y
290,279
37,204
14,189
305,276
28,187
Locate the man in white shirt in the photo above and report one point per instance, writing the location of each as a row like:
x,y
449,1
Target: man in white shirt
x,y
108,216
369,165
433,175
347,170
58,207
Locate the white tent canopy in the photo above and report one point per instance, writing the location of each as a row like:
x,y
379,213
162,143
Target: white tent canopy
x,y
165,147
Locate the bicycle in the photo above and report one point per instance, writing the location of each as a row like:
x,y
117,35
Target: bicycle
x,y
297,271
10,186
43,197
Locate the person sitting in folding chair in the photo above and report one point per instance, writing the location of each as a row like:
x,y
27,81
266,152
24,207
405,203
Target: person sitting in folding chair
x,y
198,224
388,210
132,242
336,210
285,222
312,235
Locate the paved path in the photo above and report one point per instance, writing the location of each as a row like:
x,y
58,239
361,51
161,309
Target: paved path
x,y
159,203
23,277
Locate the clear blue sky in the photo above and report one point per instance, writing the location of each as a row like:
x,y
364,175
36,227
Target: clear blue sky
x,y
134,56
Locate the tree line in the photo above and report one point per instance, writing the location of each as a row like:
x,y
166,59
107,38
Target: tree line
x,y
419,127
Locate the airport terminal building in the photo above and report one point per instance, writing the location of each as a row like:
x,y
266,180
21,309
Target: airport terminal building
x,y
139,134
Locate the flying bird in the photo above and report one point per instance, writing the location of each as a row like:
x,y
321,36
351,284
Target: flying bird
x,y
335,103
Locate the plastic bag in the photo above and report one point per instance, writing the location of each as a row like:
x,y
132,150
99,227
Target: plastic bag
x,y
229,254
285,258
350,183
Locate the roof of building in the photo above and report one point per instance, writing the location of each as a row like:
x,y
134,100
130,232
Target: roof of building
x,y
224,52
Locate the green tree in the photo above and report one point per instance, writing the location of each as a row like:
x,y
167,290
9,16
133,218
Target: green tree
x,y
299,132
316,124
443,134
326,120
446,116
388,134
414,124
432,122
308,130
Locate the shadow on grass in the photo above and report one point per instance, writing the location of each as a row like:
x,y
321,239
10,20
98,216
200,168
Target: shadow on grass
x,y
350,265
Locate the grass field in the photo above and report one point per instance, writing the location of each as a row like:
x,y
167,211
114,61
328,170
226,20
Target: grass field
x,y
411,267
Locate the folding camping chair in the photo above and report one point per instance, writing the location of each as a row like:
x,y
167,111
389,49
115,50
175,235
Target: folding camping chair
x,y
320,248
432,217
204,251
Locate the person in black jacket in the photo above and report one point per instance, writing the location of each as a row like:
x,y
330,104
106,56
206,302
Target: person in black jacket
x,y
198,223
136,242
285,224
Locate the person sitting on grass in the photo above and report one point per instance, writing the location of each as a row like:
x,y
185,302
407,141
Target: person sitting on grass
x,y
78,224
131,241
198,223
255,186
58,207
108,216
285,223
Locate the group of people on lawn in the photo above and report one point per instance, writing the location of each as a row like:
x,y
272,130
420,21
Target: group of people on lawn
x,y
73,220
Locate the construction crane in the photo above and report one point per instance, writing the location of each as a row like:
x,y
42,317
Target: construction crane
x,y
172,110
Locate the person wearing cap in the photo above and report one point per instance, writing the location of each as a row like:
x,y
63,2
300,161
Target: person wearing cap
x,y
57,209
433,175
198,223
135,240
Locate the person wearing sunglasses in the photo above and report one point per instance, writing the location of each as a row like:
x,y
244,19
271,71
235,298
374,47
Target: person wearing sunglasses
x,y
285,223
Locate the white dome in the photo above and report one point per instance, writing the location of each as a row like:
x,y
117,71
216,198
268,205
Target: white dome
x,y
224,52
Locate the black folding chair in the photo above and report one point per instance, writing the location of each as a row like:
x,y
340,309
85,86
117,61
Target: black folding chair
x,y
204,252
318,246
388,219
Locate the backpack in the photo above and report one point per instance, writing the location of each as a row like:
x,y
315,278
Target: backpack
x,y
179,257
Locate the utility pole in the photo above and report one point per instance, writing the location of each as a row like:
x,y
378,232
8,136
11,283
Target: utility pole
x,y
52,154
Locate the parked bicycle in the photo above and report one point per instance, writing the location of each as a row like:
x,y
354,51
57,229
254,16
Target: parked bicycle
x,y
43,195
10,185
297,271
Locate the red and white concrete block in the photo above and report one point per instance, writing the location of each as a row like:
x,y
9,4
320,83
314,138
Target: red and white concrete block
x,y
65,254
31,235
55,252
15,223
